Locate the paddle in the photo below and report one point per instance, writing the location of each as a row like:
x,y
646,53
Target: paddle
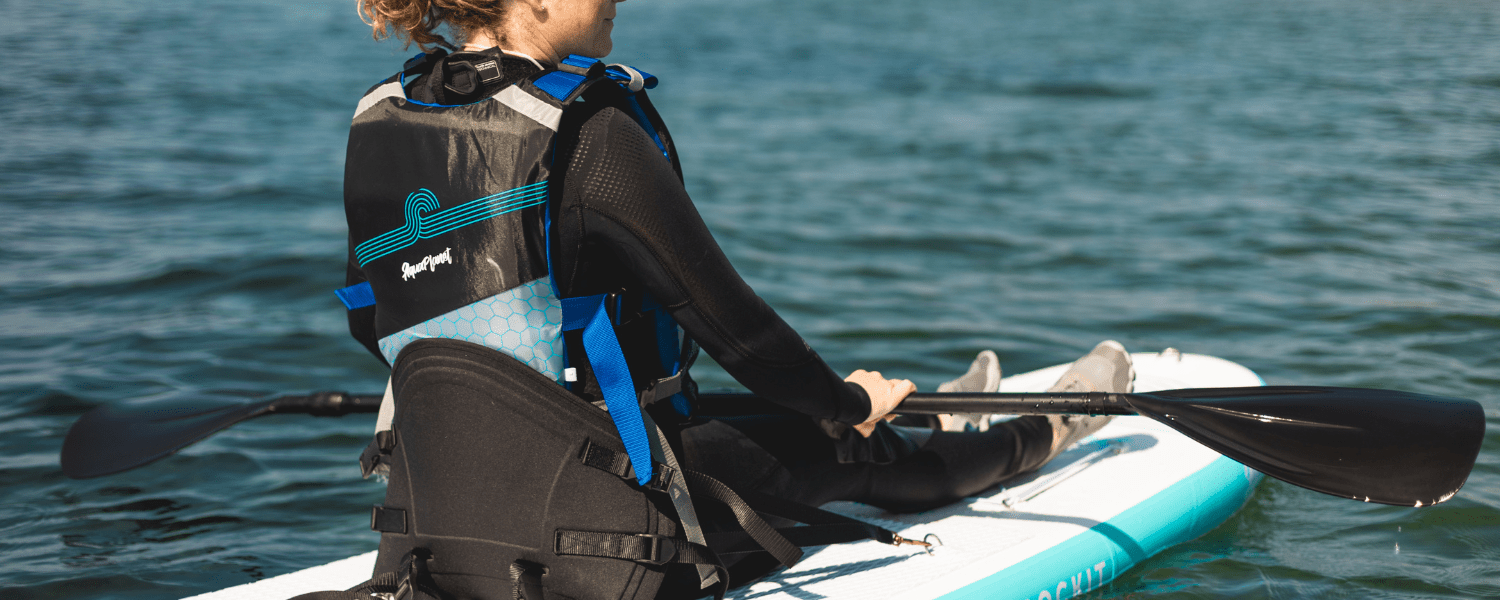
x,y
114,438
1374,445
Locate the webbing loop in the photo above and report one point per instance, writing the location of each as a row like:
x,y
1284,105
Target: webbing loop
x,y
613,374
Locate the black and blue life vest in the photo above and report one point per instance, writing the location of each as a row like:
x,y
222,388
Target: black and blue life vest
x,y
453,240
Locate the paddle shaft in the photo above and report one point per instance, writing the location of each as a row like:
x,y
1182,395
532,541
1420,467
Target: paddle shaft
x,y
1086,403
330,404
326,404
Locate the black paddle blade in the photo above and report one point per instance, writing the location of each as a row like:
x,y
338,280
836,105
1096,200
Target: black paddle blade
x,y
1373,445
112,438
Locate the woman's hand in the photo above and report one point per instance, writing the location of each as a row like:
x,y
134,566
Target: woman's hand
x,y
884,394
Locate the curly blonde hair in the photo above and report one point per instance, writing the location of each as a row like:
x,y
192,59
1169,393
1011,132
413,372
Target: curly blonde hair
x,y
418,20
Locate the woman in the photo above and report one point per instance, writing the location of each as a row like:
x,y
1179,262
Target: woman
x,y
530,202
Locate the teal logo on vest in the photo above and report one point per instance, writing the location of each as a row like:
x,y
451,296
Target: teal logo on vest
x,y
424,220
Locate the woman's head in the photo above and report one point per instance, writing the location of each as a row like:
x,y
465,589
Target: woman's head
x,y
545,29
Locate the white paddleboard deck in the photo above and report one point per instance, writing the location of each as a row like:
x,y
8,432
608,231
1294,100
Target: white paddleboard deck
x,y
1134,488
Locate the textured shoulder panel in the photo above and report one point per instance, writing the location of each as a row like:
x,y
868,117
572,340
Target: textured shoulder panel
x,y
381,92
531,106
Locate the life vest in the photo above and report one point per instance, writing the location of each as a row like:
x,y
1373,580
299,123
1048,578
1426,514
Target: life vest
x,y
453,240
502,483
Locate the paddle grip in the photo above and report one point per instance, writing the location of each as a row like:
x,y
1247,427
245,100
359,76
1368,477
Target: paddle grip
x,y
1083,403
327,404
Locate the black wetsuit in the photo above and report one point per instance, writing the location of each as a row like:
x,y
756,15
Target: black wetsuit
x,y
623,220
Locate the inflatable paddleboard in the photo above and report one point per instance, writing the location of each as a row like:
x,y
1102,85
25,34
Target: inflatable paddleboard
x,y
1113,500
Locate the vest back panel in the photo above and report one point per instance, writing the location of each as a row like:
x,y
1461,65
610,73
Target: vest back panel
x,y
445,204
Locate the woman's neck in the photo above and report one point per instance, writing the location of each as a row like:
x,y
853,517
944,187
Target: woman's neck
x,y
515,45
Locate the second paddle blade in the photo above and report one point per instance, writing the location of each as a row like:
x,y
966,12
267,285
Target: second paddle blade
x,y
114,438
1374,445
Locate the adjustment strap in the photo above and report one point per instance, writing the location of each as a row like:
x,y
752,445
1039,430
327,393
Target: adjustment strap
x,y
613,374
681,500
387,520
739,542
356,296
618,464
812,515
644,548
782,550
564,83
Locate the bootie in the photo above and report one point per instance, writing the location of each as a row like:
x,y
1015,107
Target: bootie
x,y
1106,368
983,376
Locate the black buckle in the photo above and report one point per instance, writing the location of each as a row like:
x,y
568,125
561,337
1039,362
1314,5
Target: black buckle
x,y
594,70
662,550
661,478
661,389
413,567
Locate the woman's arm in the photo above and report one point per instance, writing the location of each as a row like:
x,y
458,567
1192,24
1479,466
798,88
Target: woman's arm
x,y
621,197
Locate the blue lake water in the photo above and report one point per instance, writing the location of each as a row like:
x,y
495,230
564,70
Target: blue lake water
x,y
1308,187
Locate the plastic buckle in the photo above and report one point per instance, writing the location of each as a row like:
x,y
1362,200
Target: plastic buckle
x,y
662,550
661,479
581,65
662,389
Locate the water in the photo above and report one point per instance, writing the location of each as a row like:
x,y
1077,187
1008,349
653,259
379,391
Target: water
x,y
1308,187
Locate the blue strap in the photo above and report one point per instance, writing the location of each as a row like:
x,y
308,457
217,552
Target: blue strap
x,y
613,375
561,84
645,123
356,296
668,348
621,76
558,84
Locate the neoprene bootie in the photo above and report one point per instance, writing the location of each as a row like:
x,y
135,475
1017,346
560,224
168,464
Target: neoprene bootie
x,y
1106,368
983,376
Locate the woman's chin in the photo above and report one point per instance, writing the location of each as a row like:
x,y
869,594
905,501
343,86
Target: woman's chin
x,y
602,48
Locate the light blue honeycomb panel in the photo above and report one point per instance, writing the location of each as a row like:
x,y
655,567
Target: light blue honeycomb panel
x,y
524,322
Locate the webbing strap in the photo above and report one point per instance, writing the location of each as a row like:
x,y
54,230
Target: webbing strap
x,y
355,296
572,72
613,375
617,464
678,491
782,550
643,548
739,542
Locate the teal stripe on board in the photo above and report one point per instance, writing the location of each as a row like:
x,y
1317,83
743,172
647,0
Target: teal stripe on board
x,y
432,224
1185,510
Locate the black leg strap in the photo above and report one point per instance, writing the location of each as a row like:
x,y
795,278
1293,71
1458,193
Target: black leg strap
x,y
815,516
784,551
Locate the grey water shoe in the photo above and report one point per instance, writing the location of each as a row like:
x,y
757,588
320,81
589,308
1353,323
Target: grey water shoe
x,y
983,376
1106,368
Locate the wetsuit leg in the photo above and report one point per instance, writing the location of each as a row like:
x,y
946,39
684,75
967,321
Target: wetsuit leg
x,y
791,457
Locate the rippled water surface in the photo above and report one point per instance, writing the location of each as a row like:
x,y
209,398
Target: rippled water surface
x,y
1308,187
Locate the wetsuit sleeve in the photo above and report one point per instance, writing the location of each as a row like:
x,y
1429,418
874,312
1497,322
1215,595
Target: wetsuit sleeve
x,y
623,202
362,320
